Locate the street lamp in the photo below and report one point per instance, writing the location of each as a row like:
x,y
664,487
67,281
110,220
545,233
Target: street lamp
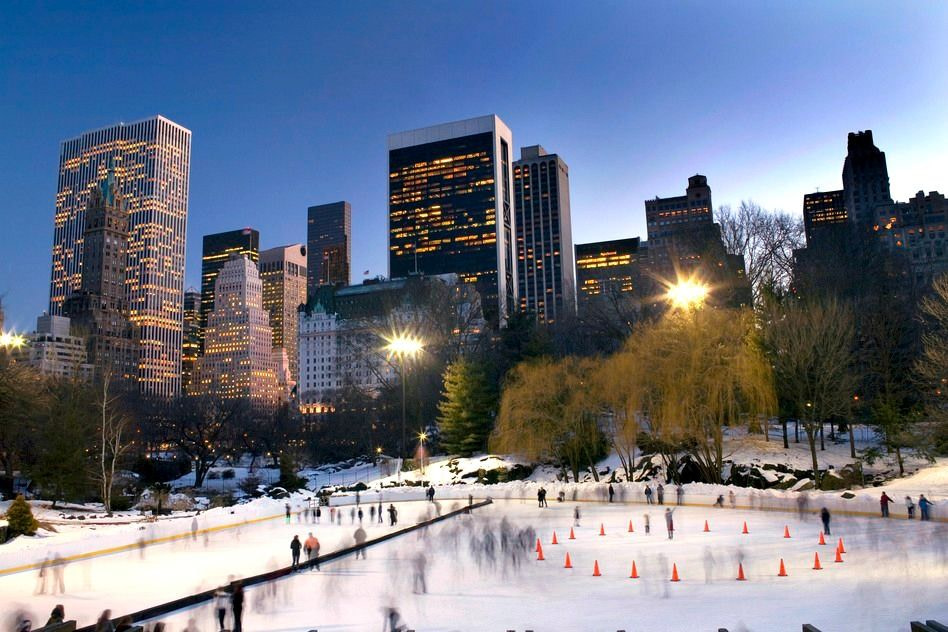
x,y
403,346
687,294
422,437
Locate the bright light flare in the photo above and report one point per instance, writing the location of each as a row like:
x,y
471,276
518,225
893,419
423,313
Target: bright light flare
x,y
11,341
687,294
402,345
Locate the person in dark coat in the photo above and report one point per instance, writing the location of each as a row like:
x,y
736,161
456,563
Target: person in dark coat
x,y
925,506
661,494
648,494
825,517
884,501
104,624
612,492
296,546
392,515
359,537
58,615
237,605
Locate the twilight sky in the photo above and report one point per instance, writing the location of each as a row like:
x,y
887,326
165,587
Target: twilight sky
x,y
290,104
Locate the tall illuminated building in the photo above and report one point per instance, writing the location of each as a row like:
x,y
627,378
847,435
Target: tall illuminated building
x,y
191,347
99,310
824,211
152,159
451,208
217,250
283,271
545,280
681,229
608,270
328,244
238,360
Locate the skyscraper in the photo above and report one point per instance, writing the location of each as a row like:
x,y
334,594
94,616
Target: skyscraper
x,y
328,244
450,210
865,180
99,310
545,280
608,270
680,229
824,211
238,360
283,272
217,250
152,159
191,347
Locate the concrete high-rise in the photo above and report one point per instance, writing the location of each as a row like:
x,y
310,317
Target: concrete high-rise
x,y
545,278
328,245
283,271
99,310
191,347
152,159
217,251
865,180
608,270
450,207
238,360
681,228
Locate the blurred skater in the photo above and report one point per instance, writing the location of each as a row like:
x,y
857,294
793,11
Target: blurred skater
x,y
660,492
392,515
679,493
393,621
720,501
237,605
825,517
708,565
418,577
59,571
372,513
194,529
42,577
648,524
359,537
576,516
670,522
295,547
312,549
910,507
380,512
286,508
221,601
732,499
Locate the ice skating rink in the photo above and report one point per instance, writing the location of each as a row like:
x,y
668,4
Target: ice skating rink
x,y
465,574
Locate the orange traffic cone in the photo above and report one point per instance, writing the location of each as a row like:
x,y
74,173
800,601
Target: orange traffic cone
x,y
675,573
572,536
842,549
635,571
816,562
839,556
631,530
822,539
783,571
602,529
706,529
786,531
554,539
540,557
596,572
568,564
537,548
745,531
740,573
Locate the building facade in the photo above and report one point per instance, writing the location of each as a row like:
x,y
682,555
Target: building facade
x,y
238,360
916,231
328,245
152,161
99,311
865,180
450,207
823,212
681,229
191,346
283,271
53,350
545,278
216,251
606,270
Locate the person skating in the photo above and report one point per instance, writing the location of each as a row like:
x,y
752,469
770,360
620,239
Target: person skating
x,y
221,601
380,512
419,585
429,494
648,524
352,515
372,513
925,506
825,517
661,494
58,615
670,523
319,513
194,528
311,546
910,507
359,537
679,493
612,492
237,605
392,515
884,501
648,494
359,515
576,516
720,501
286,509
732,499
295,547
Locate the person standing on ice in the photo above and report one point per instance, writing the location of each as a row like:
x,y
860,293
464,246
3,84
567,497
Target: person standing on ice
x,y
679,493
732,499
648,494
661,494
237,605
312,550
295,546
286,508
612,492
392,515
380,512
910,507
372,513
319,513
925,507
670,522
884,501
221,601
825,517
359,537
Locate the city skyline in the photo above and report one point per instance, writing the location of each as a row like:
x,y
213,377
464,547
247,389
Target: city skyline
x,y
731,141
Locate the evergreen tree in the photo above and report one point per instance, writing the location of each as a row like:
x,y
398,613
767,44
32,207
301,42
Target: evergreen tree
x,y
64,439
466,410
20,517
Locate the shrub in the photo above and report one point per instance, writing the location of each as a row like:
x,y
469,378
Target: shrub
x,y
228,474
20,518
250,486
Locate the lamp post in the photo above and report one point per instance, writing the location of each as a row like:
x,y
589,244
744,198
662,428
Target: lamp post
x,y
422,437
403,346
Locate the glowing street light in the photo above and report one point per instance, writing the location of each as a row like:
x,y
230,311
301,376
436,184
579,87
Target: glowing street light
x,y
687,294
403,346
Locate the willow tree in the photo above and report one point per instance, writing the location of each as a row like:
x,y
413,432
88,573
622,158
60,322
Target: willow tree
x,y
620,384
702,371
932,365
811,348
548,412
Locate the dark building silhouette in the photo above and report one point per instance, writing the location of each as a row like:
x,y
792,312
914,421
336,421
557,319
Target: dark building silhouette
x,y
328,245
217,251
99,311
824,211
450,208
191,347
681,229
865,180
608,270
544,235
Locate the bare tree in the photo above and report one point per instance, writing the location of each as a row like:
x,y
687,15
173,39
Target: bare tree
x,y
113,442
766,239
932,366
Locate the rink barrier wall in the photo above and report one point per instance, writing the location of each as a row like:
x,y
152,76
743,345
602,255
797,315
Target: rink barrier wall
x,y
166,608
